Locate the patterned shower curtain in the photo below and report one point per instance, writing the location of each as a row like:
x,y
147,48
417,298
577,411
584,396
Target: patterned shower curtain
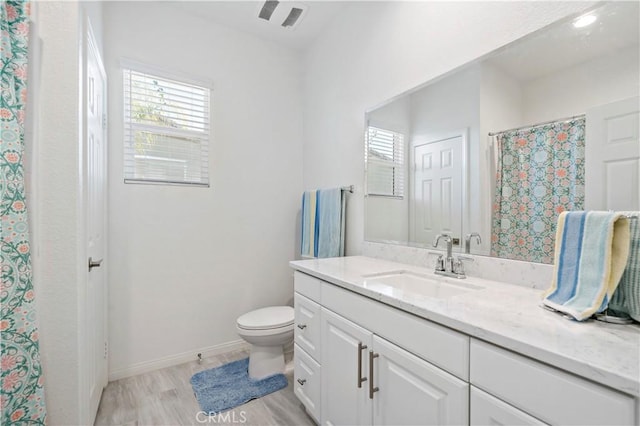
x,y
21,392
540,173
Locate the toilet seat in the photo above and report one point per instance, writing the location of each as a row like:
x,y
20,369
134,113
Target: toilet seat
x,y
271,318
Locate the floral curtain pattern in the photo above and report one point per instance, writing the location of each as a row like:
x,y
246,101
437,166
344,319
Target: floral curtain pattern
x,y
21,390
540,174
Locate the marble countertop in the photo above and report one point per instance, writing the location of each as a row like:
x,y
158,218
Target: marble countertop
x,y
507,315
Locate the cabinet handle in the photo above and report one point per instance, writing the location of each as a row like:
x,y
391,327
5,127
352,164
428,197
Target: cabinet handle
x,y
372,389
361,379
94,263
302,381
302,326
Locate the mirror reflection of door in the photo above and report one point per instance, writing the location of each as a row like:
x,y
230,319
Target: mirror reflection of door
x,y
613,156
438,170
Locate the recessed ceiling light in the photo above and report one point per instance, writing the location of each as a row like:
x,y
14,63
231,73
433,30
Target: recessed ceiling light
x,y
585,20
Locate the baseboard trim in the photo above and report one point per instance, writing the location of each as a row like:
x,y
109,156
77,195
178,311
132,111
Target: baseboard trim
x,y
171,360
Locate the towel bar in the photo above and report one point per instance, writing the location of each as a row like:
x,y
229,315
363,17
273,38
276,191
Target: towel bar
x,y
627,215
605,317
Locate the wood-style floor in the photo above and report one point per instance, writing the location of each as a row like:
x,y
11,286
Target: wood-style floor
x,y
165,397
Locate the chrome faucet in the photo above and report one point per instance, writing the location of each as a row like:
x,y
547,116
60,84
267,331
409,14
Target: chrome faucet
x,y
447,238
449,266
467,241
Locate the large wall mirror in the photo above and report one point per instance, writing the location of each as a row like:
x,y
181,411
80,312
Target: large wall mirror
x,y
491,152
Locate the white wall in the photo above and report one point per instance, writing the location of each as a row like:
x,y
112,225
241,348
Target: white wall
x,y
374,51
55,206
186,262
572,91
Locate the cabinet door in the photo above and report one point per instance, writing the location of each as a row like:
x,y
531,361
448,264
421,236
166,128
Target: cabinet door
x,y
412,391
344,371
307,386
307,329
488,410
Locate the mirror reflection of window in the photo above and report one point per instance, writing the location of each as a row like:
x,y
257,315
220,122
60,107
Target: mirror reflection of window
x,y
384,162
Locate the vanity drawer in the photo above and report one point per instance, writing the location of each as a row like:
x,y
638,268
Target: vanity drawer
x,y
307,380
307,325
487,410
432,342
307,285
551,395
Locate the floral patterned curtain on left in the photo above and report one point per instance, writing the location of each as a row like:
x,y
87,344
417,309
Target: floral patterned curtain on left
x,y
21,393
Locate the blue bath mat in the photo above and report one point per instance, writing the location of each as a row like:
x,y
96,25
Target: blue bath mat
x,y
228,386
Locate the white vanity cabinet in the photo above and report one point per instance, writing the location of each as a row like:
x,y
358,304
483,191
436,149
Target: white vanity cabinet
x,y
412,391
306,354
368,380
345,355
363,361
544,392
365,378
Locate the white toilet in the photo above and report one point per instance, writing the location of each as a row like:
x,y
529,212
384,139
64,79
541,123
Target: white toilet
x,y
268,330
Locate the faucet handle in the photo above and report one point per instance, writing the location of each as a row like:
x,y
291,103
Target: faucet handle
x,y
474,234
458,265
440,263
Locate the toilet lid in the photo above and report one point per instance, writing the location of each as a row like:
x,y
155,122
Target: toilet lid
x,y
265,318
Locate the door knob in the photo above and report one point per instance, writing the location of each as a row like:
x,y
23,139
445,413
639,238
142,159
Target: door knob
x,y
94,263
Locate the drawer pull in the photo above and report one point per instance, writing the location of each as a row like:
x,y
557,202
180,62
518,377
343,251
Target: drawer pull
x,y
302,326
372,389
361,379
302,381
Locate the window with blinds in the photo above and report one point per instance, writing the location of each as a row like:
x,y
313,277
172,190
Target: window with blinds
x,y
166,130
384,159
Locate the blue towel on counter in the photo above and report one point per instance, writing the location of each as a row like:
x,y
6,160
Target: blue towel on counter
x,y
626,299
329,205
590,254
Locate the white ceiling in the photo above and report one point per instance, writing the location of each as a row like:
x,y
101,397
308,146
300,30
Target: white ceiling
x,y
243,16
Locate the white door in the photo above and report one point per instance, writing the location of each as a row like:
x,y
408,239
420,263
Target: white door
x,y
612,156
95,143
412,391
437,189
345,346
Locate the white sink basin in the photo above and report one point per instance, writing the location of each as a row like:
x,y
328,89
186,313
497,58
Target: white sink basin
x,y
400,283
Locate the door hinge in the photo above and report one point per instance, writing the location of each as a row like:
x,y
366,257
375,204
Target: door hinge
x,y
106,349
104,121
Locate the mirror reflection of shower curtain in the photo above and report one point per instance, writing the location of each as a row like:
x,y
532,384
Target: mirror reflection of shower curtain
x,y
539,173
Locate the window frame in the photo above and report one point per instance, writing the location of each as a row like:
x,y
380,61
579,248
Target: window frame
x,y
130,128
398,190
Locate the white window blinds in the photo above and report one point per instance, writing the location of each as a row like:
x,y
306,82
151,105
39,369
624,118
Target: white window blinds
x,y
166,130
384,159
